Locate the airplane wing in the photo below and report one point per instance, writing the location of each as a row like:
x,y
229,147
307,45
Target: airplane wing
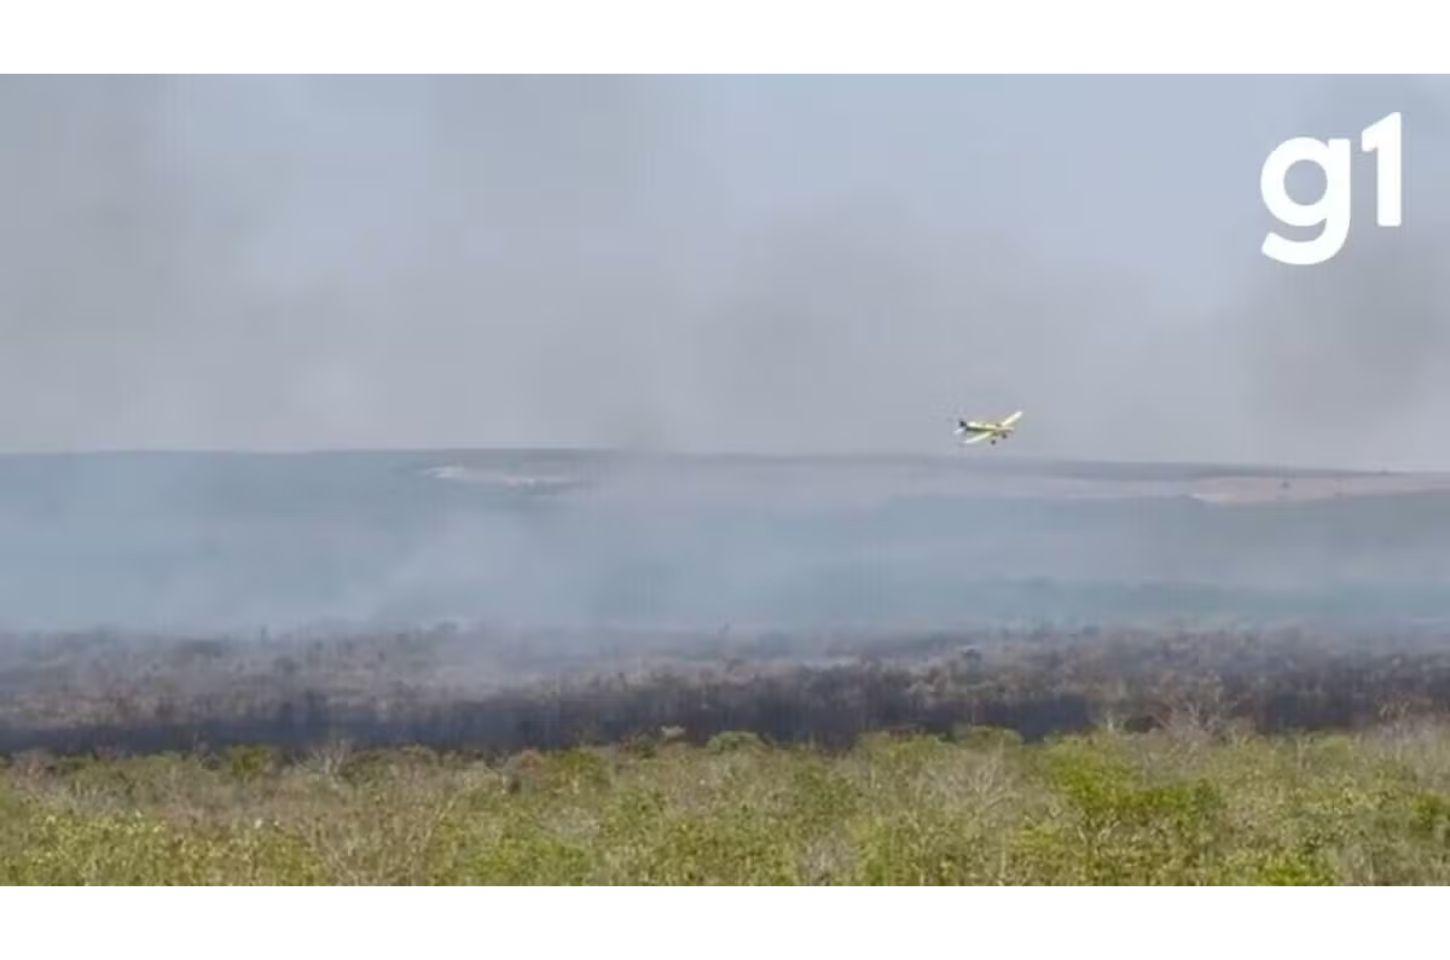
x,y
978,438
1008,421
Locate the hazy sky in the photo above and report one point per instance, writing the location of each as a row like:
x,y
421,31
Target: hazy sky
x,y
760,264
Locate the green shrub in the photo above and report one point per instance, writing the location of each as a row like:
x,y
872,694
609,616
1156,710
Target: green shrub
x,y
730,741
986,738
921,847
250,762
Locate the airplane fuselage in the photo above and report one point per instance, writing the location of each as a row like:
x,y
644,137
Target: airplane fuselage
x,y
973,431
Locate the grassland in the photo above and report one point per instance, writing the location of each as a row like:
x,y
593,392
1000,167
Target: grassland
x,y
1180,805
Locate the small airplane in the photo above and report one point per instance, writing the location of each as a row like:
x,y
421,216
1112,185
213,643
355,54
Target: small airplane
x,y
975,431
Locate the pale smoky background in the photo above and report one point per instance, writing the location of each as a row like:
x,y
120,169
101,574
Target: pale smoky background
x,y
763,264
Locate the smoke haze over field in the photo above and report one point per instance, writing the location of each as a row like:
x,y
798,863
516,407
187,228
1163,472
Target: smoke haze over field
x,y
766,264
239,542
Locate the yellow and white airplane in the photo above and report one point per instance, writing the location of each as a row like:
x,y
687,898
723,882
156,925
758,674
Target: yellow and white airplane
x,y
975,431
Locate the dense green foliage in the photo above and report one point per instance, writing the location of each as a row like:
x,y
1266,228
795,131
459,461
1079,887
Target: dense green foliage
x,y
1182,805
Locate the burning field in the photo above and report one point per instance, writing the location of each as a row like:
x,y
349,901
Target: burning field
x,y
521,599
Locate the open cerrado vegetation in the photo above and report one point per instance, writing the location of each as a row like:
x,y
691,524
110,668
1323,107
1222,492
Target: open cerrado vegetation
x,y
1082,757
1180,805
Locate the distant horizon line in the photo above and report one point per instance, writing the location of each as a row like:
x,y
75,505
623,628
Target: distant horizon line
x,y
697,454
